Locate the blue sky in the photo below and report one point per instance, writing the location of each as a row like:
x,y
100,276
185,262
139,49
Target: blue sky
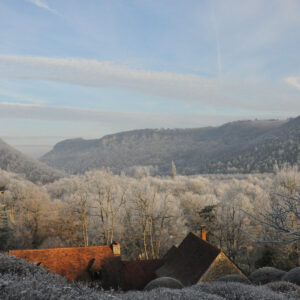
x,y
71,68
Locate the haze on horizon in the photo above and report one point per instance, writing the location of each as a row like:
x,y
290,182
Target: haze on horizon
x,y
89,68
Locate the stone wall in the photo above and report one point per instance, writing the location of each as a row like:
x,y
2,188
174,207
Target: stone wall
x,y
221,266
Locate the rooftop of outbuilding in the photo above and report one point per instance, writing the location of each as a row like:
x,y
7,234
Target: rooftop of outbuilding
x,y
69,262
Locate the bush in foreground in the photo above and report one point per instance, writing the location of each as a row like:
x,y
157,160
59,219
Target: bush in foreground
x,y
293,276
165,293
265,275
22,280
291,290
235,290
234,278
166,282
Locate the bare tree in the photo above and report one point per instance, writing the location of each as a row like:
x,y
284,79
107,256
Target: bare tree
x,y
283,212
283,217
173,169
149,219
80,208
109,199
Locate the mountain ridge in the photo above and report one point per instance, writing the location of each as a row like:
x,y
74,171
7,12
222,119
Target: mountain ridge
x,y
223,149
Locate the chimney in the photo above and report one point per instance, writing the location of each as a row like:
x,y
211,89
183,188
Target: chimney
x,y
203,233
115,247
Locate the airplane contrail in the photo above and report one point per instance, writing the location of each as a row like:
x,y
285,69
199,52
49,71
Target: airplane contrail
x,y
216,29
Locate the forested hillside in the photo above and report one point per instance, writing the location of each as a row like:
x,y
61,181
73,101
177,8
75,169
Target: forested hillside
x,y
236,147
33,170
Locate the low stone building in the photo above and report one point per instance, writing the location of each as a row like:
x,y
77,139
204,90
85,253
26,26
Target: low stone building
x,y
195,260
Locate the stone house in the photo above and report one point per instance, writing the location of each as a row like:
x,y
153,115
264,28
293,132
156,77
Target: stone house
x,y
193,261
196,260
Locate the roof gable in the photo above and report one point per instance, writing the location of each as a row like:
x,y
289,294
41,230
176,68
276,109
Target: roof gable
x,y
69,262
189,261
221,266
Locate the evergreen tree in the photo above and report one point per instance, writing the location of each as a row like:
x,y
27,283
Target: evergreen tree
x,y
275,168
173,169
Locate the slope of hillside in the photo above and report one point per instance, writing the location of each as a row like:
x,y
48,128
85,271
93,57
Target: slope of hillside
x,y
15,161
242,146
279,144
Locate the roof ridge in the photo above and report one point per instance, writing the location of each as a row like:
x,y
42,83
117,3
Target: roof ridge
x,y
205,241
62,248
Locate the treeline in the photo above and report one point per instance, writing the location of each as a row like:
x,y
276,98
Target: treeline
x,y
147,215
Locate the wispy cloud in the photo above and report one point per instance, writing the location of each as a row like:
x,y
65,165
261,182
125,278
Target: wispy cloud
x,y
20,97
119,120
43,5
293,81
184,87
106,74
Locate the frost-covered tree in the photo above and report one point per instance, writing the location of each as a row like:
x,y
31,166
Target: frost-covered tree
x,y
109,198
279,220
80,205
281,216
275,168
231,221
173,169
150,218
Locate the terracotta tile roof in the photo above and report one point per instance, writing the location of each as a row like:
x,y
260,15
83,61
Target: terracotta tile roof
x,y
69,262
136,274
189,261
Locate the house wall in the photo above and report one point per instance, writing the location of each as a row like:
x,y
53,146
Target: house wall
x,y
221,266
137,274
128,275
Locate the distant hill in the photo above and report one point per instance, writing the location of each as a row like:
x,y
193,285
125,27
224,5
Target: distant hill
x,y
33,170
242,146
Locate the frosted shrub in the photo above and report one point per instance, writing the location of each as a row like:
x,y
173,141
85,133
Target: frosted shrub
x,y
293,276
265,275
166,282
234,278
165,293
16,266
22,280
289,289
235,290
47,287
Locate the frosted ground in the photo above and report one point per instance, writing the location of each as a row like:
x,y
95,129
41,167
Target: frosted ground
x,y
22,280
